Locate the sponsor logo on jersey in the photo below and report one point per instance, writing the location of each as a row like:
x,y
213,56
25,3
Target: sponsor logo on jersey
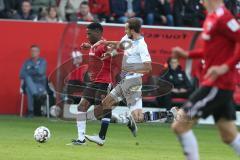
x,y
233,25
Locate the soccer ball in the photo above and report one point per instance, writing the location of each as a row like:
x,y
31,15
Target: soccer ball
x,y
42,134
55,111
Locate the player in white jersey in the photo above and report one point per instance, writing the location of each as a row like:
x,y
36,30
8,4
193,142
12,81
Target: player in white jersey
x,y
136,62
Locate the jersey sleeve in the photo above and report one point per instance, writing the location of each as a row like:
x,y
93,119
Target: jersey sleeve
x,y
100,50
230,28
144,54
197,53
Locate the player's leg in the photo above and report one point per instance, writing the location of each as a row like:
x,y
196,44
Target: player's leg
x,y
132,93
84,104
224,117
137,112
182,127
201,104
81,122
106,113
229,134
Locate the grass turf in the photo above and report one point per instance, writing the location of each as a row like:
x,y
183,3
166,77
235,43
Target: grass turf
x,y
156,142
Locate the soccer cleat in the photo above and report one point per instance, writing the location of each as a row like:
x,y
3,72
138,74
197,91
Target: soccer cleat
x,y
95,139
77,142
132,125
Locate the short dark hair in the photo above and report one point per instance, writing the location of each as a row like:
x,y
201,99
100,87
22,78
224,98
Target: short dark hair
x,y
134,24
84,3
34,46
28,1
95,26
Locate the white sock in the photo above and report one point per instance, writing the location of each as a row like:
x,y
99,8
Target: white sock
x,y
90,115
189,144
236,144
81,126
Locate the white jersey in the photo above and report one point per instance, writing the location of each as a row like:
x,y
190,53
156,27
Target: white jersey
x,y
137,54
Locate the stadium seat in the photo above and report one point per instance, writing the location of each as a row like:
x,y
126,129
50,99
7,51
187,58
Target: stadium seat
x,y
22,92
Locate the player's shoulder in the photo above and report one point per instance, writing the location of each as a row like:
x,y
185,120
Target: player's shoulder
x,y
226,18
100,47
142,42
125,38
223,13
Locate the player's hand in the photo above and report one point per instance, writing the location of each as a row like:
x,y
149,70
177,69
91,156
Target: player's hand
x,y
110,53
106,55
85,46
178,52
215,71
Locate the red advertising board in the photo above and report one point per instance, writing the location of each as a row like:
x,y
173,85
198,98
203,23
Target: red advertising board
x,y
55,38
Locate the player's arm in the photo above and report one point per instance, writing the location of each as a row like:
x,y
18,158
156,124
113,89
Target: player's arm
x,y
85,46
178,52
107,43
230,28
122,45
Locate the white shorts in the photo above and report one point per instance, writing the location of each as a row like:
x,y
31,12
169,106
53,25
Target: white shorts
x,y
130,90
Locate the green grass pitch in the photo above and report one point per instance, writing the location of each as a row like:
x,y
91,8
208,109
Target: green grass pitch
x,y
156,142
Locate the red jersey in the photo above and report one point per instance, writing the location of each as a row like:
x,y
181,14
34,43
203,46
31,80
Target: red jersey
x,y
221,34
99,70
79,73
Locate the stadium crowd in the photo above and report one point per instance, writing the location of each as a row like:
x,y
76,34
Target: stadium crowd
x,y
190,13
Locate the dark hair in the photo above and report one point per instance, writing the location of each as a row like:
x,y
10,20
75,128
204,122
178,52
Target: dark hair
x,y
50,7
34,46
95,26
134,24
28,1
84,3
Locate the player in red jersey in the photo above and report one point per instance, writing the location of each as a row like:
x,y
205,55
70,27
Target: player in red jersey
x,y
221,36
100,77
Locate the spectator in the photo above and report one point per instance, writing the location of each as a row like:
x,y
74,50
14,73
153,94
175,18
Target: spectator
x,y
11,8
69,8
39,5
100,9
52,15
122,10
26,12
84,13
2,8
231,5
188,13
33,79
181,84
238,10
158,12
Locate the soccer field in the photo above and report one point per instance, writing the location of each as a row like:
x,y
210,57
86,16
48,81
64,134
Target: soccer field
x,y
156,142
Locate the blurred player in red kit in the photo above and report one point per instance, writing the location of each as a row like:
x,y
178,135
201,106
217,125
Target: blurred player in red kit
x,y
221,52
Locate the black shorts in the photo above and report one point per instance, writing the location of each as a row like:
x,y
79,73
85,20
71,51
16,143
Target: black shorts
x,y
95,92
211,101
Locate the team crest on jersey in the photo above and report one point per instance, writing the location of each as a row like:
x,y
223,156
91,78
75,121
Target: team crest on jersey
x,y
233,25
